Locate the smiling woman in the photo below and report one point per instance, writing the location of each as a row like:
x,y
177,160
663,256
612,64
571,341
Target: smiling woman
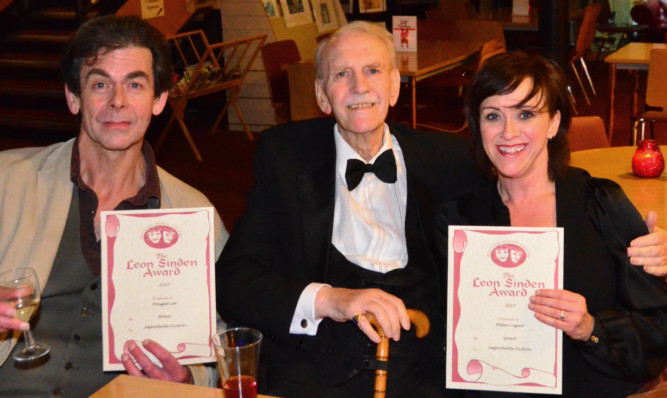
x,y
515,131
519,112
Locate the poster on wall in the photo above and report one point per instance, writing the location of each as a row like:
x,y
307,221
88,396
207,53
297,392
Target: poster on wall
x,y
325,15
271,8
296,12
152,8
366,6
405,33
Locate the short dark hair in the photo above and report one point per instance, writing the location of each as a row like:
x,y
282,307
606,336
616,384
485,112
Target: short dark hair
x,y
501,75
104,34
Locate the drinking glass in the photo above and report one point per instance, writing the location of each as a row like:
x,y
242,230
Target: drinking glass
x,y
20,288
237,351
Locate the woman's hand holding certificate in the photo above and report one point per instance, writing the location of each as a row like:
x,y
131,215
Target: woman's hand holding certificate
x,y
564,310
494,340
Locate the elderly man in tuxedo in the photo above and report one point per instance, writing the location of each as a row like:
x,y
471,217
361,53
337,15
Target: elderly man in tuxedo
x,y
338,225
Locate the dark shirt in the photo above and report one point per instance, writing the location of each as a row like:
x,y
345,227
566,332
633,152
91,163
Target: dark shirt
x,y
148,197
629,305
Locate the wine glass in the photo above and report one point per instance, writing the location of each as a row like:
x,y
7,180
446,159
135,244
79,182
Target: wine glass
x,y
20,288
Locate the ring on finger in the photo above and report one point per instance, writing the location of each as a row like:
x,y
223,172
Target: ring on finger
x,y
355,319
562,315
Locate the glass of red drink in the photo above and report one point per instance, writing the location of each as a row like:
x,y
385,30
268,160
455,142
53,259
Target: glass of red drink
x,y
237,351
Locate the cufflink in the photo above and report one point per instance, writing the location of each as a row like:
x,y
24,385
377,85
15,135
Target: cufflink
x,y
594,339
304,323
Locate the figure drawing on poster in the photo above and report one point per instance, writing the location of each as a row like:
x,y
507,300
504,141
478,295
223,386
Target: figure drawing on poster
x,y
405,33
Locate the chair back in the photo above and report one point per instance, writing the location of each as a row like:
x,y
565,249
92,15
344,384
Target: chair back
x,y
489,49
587,132
303,103
656,85
276,56
188,50
205,68
587,29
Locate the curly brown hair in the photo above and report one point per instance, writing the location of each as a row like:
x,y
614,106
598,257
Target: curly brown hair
x,y
104,34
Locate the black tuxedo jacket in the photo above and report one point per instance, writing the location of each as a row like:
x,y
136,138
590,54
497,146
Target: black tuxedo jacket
x,y
281,243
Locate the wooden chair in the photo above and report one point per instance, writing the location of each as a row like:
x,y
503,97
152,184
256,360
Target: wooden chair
x,y
584,40
204,69
277,56
655,108
587,132
303,104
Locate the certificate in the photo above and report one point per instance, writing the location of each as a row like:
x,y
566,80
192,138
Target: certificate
x,y
158,282
494,341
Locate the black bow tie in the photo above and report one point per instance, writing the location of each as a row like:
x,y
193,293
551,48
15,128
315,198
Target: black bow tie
x,y
384,169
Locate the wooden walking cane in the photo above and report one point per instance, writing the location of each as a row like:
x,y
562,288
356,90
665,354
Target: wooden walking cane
x,y
422,327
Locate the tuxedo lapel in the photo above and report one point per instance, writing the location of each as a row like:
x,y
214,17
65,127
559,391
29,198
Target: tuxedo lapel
x,y
420,209
316,186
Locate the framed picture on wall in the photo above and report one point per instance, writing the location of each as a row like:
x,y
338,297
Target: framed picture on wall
x,y
372,6
325,15
271,8
296,12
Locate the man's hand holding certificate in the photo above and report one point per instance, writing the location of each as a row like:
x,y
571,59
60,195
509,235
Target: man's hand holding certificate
x,y
158,282
494,340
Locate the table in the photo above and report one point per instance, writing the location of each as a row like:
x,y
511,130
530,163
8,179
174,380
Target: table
x,y
125,386
633,57
432,57
615,163
625,29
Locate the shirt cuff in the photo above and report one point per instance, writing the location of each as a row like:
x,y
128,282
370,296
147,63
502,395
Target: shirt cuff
x,y
303,321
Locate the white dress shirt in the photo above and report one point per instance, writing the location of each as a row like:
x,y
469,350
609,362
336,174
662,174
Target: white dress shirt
x,y
369,224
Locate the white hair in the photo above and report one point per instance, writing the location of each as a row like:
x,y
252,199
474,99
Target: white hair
x,y
358,27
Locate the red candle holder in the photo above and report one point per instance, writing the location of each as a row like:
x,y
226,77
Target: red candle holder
x,y
647,162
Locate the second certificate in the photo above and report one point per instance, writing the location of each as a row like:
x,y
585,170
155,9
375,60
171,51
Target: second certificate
x,y
494,341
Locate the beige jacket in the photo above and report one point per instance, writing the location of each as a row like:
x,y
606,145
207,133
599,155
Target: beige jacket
x,y
35,195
